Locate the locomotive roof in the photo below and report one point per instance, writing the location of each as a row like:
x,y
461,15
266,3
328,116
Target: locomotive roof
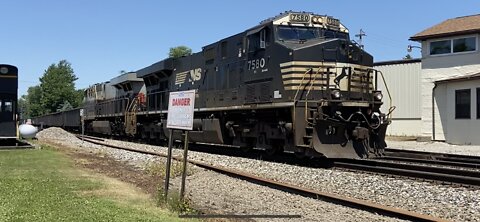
x,y
166,66
282,15
291,18
8,69
162,66
124,78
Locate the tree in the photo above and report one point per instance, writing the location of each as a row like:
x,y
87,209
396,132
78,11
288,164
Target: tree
x,y
407,57
65,106
179,51
32,102
22,107
58,87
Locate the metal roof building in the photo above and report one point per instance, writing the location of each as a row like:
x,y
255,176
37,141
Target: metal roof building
x,y
403,80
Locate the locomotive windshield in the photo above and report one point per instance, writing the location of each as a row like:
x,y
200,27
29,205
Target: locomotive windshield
x,y
295,33
288,33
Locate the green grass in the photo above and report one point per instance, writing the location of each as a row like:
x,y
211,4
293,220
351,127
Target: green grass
x,y
43,185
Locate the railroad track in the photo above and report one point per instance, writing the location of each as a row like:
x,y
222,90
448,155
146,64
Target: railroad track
x,y
432,173
359,204
432,158
441,174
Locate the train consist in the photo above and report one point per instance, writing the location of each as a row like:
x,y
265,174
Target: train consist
x,y
294,83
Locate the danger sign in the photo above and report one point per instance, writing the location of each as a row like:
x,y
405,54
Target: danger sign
x,y
180,110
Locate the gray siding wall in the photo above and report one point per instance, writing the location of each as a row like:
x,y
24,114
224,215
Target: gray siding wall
x,y
403,81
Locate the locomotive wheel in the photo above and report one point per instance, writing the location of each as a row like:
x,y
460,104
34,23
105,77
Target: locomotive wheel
x,y
246,149
300,155
272,151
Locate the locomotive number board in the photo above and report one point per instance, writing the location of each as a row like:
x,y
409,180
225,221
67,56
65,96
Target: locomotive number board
x,y
299,18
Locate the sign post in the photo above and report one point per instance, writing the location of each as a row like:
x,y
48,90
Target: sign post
x,y
82,117
180,116
184,170
169,162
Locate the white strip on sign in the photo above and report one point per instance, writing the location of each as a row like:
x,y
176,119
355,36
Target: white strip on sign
x,y
180,110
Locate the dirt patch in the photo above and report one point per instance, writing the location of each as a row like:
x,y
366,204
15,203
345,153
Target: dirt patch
x,y
103,164
113,168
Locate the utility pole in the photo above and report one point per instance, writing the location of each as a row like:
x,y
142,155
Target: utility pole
x,y
360,37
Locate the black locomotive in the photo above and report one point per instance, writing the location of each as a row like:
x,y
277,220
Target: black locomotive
x,y
294,83
8,102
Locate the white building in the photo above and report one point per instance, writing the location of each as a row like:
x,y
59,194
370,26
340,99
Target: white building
x,y
450,81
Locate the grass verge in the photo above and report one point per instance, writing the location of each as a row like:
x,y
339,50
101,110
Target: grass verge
x,y
43,185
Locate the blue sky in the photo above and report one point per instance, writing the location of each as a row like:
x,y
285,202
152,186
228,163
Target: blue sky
x,y
102,37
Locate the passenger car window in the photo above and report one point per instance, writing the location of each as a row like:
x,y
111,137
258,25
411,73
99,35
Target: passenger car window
x,y
8,106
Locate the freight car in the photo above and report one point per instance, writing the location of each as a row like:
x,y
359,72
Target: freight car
x,y
8,103
294,83
69,120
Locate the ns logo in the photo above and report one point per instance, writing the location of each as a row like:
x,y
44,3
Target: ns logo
x,y
192,75
195,74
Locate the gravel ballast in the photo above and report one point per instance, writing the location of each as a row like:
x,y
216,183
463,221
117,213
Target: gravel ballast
x,y
456,204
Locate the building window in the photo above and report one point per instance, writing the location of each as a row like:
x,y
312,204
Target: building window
x,y
478,103
8,106
457,45
462,104
464,44
440,47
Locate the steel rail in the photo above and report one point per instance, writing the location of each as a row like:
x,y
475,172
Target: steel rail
x,y
464,177
432,155
430,161
346,201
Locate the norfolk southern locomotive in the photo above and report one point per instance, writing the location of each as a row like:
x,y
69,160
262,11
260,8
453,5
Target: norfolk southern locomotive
x,y
294,83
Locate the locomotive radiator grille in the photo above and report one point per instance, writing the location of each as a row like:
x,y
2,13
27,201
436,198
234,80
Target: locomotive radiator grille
x,y
361,80
298,75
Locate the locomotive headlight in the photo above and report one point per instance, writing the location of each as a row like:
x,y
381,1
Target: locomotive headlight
x,y
317,19
3,70
377,95
336,94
